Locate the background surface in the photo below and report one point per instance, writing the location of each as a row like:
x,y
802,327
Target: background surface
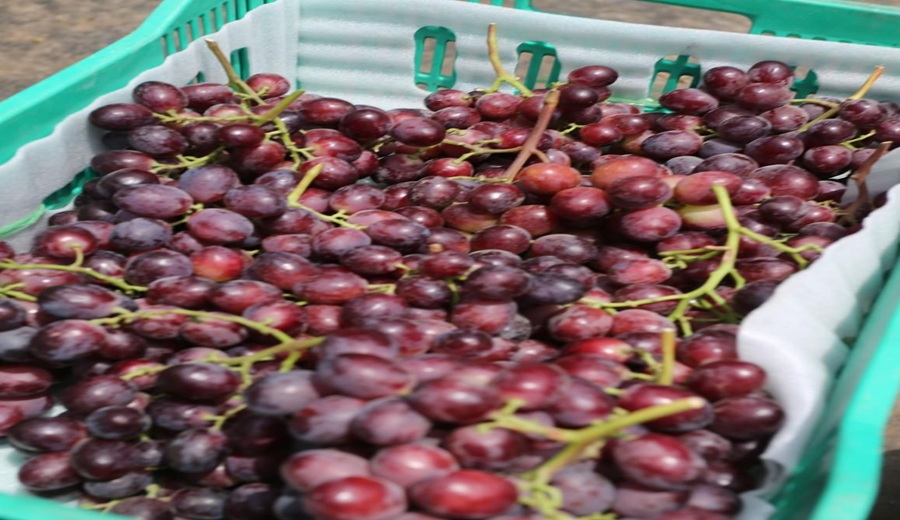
x,y
41,37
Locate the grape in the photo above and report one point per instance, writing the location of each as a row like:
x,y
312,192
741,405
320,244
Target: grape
x,y
196,450
363,376
464,494
356,498
581,404
308,469
725,82
649,225
688,101
102,459
198,381
446,399
671,143
638,192
746,417
829,131
548,178
786,118
407,464
696,189
157,141
121,116
658,461
629,166
645,395
201,503
365,123
219,226
46,434
117,422
208,183
388,422
251,501
65,241
23,381
48,472
160,97
505,237
787,180
593,76
774,149
418,131
743,129
763,96
584,492
281,394
580,203
495,449
178,415
579,322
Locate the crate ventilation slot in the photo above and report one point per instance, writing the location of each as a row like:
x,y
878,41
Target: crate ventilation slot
x,y
435,59
673,72
538,65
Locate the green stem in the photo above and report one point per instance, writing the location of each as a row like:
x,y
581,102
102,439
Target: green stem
x,y
581,440
18,295
814,101
666,373
250,324
873,77
188,162
502,75
234,80
271,115
294,345
293,198
220,420
117,282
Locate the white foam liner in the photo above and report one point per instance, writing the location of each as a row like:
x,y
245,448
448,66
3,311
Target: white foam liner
x,y
363,51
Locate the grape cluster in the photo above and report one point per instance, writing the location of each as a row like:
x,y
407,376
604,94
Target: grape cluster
x,y
279,305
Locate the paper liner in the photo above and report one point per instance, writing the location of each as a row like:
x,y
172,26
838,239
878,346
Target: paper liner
x,y
363,51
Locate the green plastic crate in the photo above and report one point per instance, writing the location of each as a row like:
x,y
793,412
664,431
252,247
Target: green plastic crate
x,y
839,474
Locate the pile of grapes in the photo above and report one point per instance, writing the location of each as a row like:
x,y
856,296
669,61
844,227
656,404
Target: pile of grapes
x,y
277,305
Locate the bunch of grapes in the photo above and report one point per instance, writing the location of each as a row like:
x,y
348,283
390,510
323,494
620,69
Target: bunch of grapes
x,y
278,305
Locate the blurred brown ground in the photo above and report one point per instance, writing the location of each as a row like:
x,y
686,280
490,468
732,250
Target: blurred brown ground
x,y
41,37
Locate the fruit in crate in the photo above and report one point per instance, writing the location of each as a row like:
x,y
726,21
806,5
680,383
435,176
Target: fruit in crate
x,y
275,304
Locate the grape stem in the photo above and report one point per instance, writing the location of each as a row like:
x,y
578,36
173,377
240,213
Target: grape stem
x,y
220,420
873,77
538,493
233,79
581,440
188,162
729,252
551,99
863,202
294,200
117,282
10,292
294,197
666,373
127,316
502,75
